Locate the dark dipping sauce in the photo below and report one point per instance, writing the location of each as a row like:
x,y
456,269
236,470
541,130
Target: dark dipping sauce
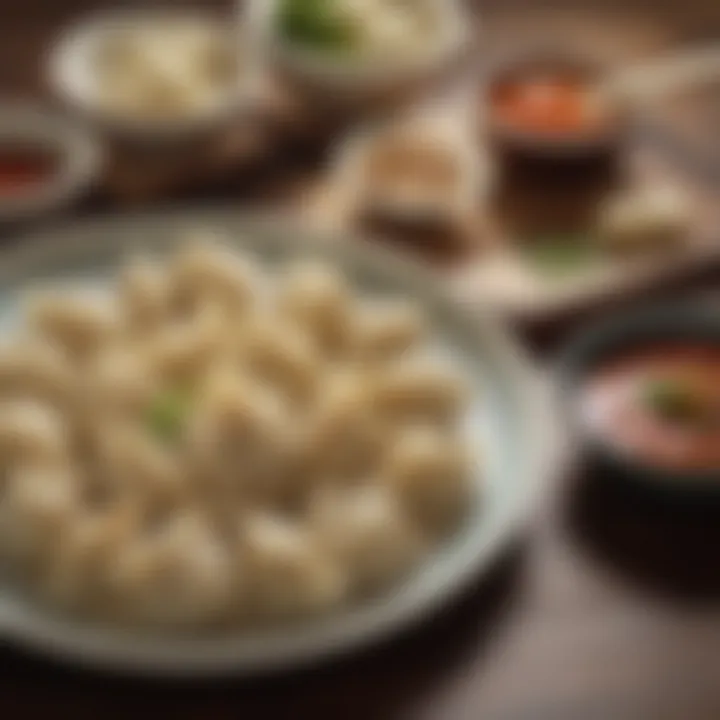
x,y
660,405
24,169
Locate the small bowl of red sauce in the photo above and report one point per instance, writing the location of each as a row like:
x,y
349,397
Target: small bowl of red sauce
x,y
642,394
549,104
46,162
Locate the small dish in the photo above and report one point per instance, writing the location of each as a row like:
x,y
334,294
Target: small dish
x,y
552,105
639,396
50,162
157,99
362,75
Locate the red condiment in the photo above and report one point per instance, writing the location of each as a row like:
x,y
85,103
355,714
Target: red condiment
x,y
23,170
545,103
681,433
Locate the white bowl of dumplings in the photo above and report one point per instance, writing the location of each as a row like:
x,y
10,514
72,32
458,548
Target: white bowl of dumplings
x,y
396,46
157,75
216,462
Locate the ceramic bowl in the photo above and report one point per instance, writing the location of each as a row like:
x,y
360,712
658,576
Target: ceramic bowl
x,y
359,80
71,67
640,329
77,160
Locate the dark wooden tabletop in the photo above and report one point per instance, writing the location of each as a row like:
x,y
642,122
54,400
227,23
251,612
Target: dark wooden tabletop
x,y
605,609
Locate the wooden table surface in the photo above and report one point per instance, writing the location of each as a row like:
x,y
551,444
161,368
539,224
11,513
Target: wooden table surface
x,y
604,610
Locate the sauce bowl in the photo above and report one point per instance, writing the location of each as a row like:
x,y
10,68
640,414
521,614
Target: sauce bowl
x,y
674,325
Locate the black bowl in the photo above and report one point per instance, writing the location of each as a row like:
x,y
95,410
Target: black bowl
x,y
643,328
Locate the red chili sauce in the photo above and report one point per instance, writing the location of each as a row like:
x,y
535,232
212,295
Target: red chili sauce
x,y
552,103
24,169
661,405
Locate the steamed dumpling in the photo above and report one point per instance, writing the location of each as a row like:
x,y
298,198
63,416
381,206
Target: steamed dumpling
x,y
182,351
180,574
240,436
290,573
144,294
80,323
385,330
77,566
209,270
35,368
419,390
120,381
135,461
31,431
274,350
317,298
365,528
429,471
39,504
344,436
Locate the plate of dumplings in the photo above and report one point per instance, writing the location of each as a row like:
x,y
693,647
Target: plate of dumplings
x,y
227,447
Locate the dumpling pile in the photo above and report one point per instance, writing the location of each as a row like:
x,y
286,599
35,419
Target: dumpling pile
x,y
210,443
165,69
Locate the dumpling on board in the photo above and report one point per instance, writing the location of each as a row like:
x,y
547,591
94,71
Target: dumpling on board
x,y
366,529
288,572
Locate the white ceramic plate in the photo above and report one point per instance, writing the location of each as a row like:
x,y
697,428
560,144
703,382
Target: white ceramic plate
x,y
508,418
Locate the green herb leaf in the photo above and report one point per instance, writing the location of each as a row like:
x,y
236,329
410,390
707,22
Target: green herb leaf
x,y
564,255
316,23
168,414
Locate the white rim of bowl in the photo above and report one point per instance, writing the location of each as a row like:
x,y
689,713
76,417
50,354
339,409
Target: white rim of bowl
x,y
27,624
69,74
79,158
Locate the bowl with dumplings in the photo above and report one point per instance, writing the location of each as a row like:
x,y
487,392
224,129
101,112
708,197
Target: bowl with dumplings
x,y
153,75
344,50
236,449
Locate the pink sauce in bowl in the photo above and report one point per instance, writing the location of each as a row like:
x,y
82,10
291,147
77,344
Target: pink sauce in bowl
x,y
659,405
